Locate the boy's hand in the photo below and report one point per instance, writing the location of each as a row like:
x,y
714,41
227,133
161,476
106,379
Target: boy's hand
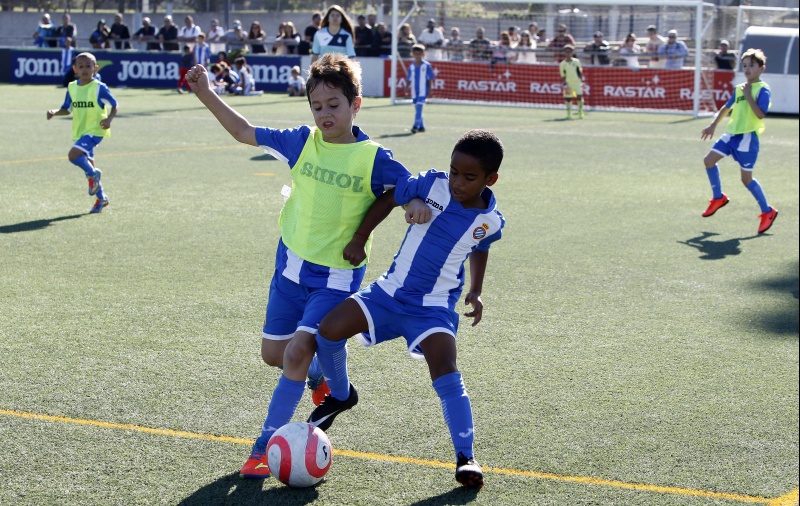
x,y
477,307
747,89
51,113
354,252
417,212
197,77
105,124
708,132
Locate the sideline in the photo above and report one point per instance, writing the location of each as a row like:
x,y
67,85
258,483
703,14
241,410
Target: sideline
x,y
788,499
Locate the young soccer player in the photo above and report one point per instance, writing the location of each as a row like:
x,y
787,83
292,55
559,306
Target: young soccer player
x,y
93,108
296,85
416,297
420,75
572,77
748,106
337,174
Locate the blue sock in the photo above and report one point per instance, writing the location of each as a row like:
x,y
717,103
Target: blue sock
x,y
758,193
332,357
457,411
100,194
84,164
716,184
314,369
285,398
418,116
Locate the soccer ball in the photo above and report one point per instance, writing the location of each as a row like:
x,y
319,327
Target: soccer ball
x,y
299,454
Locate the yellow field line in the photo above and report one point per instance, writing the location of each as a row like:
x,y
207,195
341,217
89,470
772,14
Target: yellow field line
x,y
788,499
153,152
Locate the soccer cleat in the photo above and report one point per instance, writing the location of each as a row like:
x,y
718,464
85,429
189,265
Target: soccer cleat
x,y
324,414
94,182
580,115
256,466
98,206
715,204
414,130
421,129
767,219
468,472
319,389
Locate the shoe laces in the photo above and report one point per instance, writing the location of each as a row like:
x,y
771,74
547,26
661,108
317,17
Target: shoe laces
x,y
313,384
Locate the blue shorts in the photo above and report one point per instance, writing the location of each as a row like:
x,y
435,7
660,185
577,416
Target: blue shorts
x,y
389,318
742,147
87,143
293,307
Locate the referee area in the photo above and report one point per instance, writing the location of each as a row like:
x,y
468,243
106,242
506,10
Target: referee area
x,y
631,352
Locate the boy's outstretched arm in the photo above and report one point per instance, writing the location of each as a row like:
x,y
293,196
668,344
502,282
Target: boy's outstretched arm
x,y
709,130
477,268
236,124
57,112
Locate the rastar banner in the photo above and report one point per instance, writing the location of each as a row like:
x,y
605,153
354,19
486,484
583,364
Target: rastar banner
x,y
140,69
657,89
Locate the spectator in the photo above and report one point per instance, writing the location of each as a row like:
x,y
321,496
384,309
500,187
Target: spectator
x,y
480,47
43,32
533,29
502,52
455,46
513,33
99,37
654,42
674,51
236,37
215,36
67,33
189,31
297,85
363,33
247,84
187,62
222,57
202,51
558,42
433,39
335,35
382,41
372,20
289,40
724,59
308,34
147,33
119,33
598,50
168,35
526,49
405,40
630,51
256,37
541,37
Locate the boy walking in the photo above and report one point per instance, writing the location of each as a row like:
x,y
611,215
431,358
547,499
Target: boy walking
x,y
93,108
747,106
572,78
420,75
416,297
338,174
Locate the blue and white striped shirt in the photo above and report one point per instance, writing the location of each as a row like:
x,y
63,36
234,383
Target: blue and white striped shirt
x,y
419,77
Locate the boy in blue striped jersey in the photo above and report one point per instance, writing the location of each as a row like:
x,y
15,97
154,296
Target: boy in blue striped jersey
x,y
416,297
420,75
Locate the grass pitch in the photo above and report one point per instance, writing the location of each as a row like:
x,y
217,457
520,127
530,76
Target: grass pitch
x,y
631,352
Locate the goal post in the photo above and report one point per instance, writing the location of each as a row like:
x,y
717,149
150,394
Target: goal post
x,y
520,82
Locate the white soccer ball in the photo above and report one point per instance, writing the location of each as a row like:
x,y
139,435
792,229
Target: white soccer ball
x,y
299,454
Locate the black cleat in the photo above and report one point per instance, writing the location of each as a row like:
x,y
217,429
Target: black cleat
x,y
468,472
324,414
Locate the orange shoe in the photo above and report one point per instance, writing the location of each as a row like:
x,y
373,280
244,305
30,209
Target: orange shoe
x,y
319,392
256,466
715,204
767,219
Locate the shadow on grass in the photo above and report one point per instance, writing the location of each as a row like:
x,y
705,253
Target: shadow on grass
x,y
266,157
779,320
459,495
231,489
28,226
402,134
715,250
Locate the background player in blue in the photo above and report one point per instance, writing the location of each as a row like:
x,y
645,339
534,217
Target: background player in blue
x,y
335,35
93,108
748,106
420,75
416,297
337,173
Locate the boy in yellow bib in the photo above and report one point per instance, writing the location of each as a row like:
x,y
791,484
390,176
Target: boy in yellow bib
x,y
572,78
93,108
748,106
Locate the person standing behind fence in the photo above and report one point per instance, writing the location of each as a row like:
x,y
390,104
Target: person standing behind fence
x,y
67,33
43,32
526,48
363,33
382,41
480,47
335,35
308,34
598,50
147,33
433,38
215,36
724,59
560,41
189,31
168,35
674,51
630,51
256,36
99,37
119,33
454,46
654,42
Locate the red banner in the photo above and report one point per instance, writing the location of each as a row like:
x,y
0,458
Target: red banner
x,y
618,87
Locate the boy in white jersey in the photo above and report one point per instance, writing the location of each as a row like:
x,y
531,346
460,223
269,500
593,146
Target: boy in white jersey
x,y
748,106
338,174
416,297
93,108
572,78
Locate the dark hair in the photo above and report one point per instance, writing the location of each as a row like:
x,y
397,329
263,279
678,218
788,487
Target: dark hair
x,y
756,54
484,146
347,25
335,70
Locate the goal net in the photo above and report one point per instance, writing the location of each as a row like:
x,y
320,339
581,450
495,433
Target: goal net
x,y
475,69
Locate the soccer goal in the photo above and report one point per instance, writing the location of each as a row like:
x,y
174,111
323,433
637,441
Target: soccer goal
x,y
528,76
